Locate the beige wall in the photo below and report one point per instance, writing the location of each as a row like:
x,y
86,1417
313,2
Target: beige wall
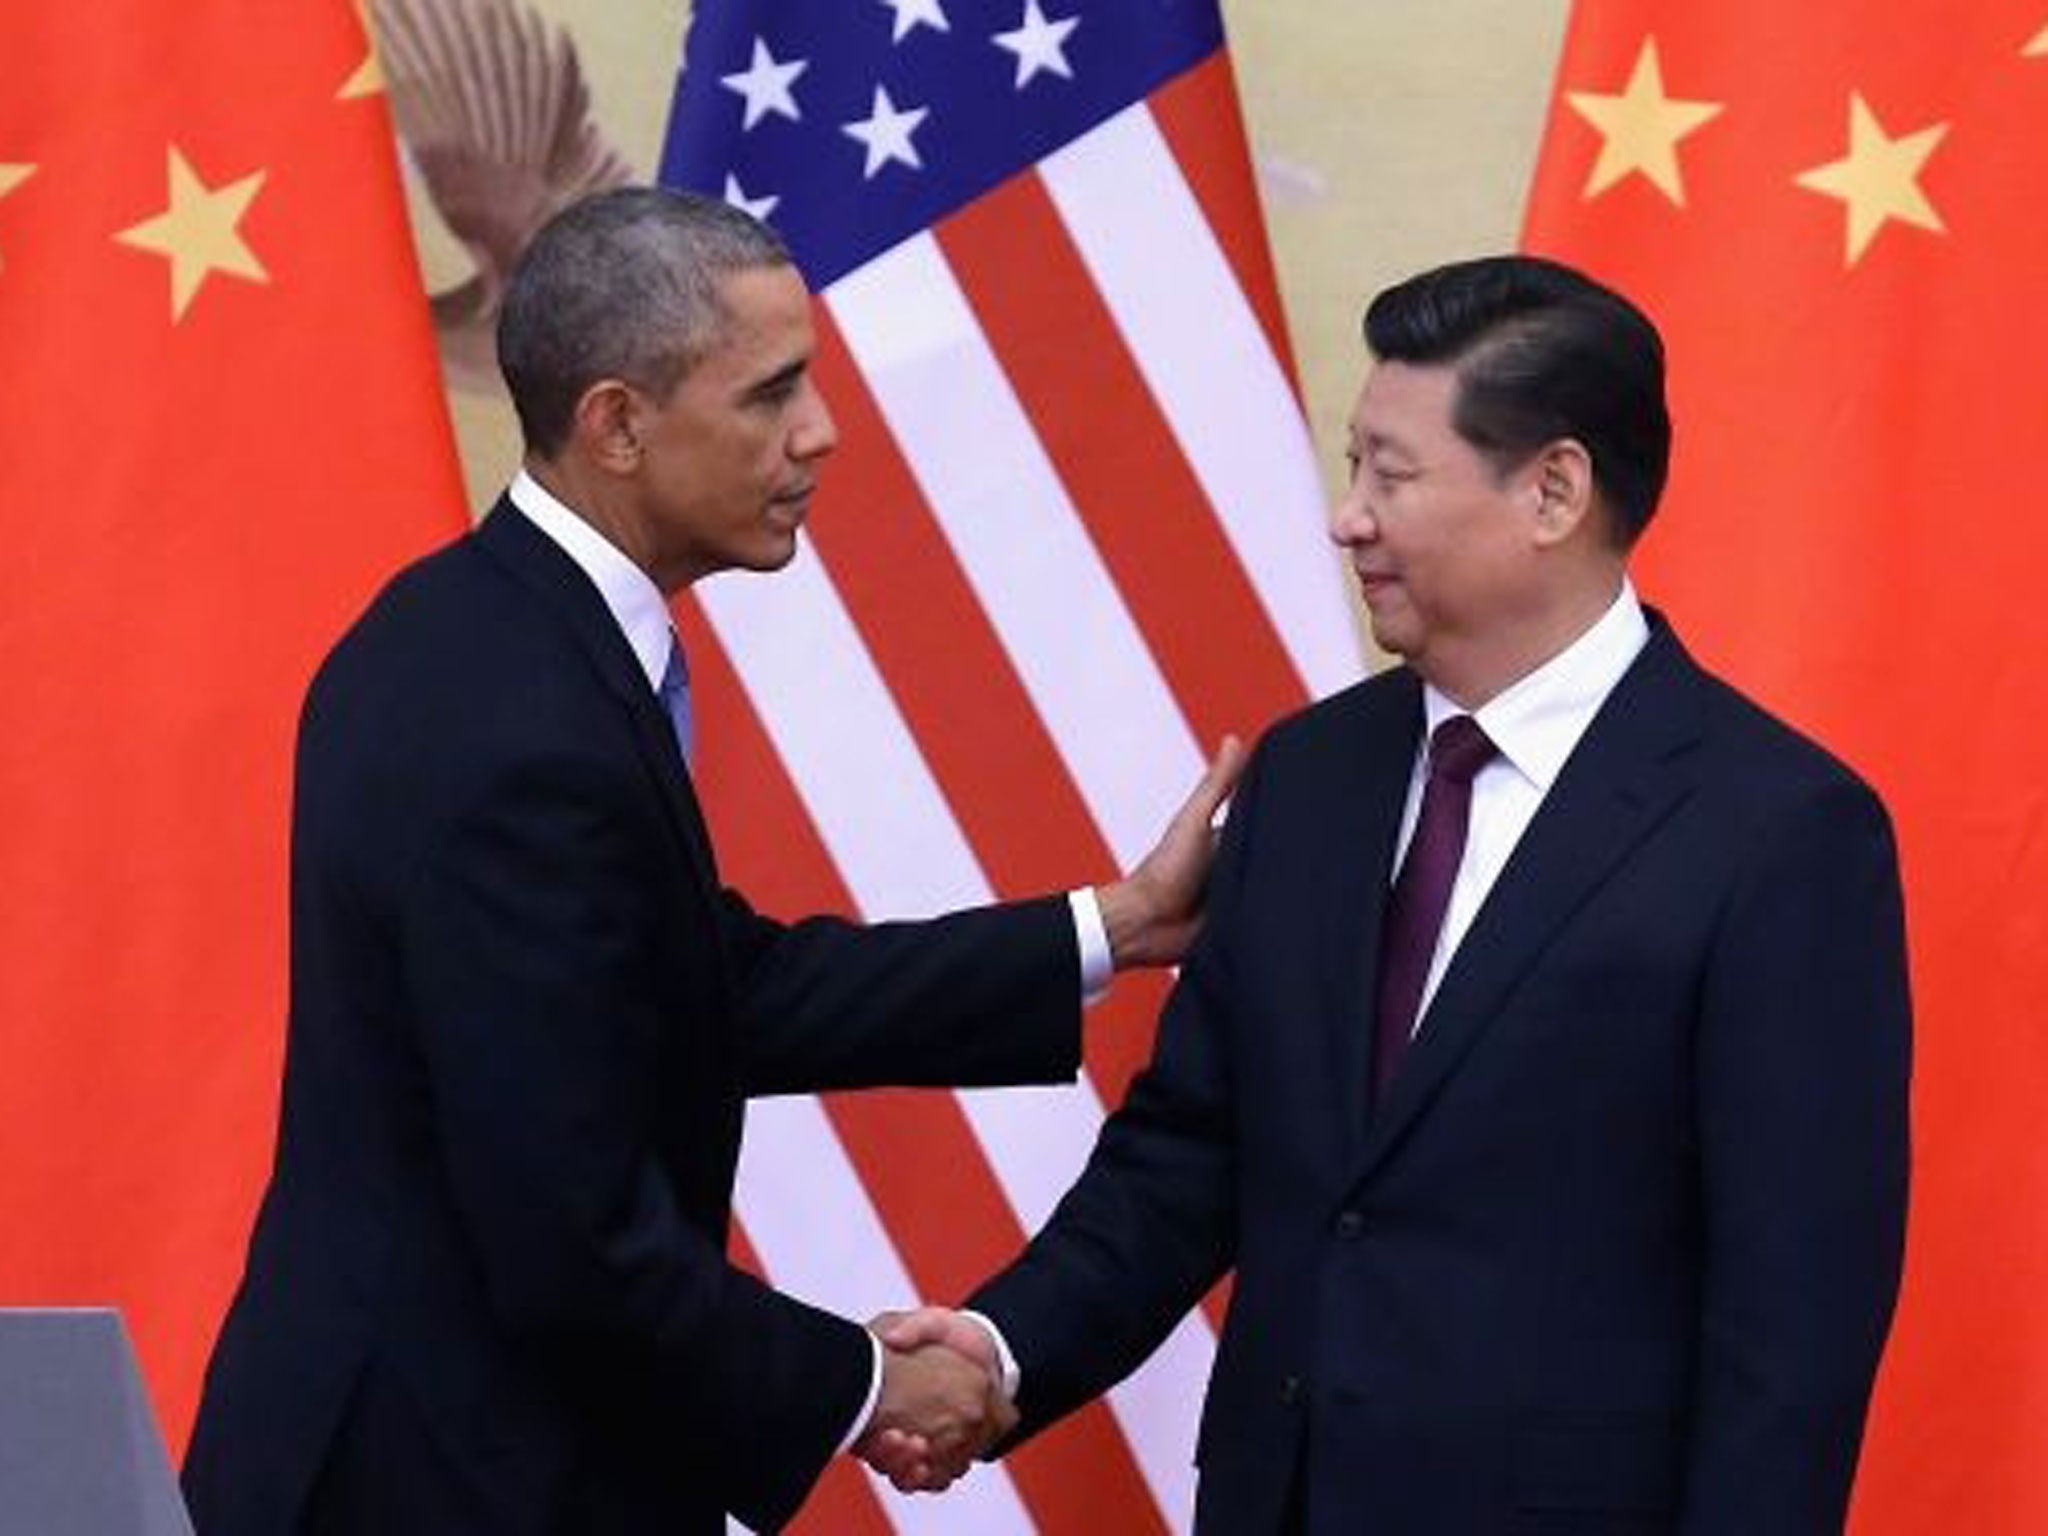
x,y
1388,136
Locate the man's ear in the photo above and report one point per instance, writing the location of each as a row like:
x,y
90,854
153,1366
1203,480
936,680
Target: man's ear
x,y
1561,486
606,426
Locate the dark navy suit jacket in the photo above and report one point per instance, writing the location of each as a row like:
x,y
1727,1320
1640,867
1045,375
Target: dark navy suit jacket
x,y
1619,1251
487,1290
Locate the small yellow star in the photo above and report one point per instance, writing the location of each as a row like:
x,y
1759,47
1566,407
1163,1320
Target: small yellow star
x,y
12,176
368,79
197,232
1879,178
2038,48
1641,127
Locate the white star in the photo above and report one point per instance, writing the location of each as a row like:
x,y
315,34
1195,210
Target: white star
x,y
1039,44
886,133
766,84
759,207
912,13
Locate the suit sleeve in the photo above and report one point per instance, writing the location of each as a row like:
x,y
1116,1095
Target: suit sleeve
x,y
1803,1064
983,998
1149,1226
531,949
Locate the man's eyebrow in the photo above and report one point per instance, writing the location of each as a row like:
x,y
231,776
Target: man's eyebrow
x,y
779,380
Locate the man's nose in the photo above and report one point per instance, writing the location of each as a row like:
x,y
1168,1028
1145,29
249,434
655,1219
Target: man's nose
x,y
816,433
1351,521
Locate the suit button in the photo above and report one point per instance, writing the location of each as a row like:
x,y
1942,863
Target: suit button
x,y
1290,1391
1350,1226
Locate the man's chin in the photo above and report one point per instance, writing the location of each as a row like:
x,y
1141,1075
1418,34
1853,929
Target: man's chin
x,y
1390,634
775,552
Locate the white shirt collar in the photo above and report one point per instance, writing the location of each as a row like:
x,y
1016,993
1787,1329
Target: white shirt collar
x,y
635,602
1538,721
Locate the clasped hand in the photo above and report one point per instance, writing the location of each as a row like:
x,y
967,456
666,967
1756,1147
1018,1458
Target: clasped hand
x,y
942,1402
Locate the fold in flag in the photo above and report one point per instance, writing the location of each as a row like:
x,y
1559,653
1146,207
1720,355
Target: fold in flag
x,y
1073,534
224,430
1833,211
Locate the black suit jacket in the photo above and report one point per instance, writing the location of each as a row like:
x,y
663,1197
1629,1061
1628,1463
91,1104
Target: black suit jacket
x,y
487,1290
1619,1251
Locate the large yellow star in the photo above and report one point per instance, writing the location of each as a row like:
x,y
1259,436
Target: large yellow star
x,y
197,232
2038,48
368,79
1878,179
1641,128
12,176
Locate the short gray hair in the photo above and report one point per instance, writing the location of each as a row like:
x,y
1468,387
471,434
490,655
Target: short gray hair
x,y
622,285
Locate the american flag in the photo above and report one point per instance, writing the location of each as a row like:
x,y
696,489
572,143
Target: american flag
x,y
1072,535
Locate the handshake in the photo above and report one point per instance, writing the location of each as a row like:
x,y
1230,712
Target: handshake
x,y
942,1402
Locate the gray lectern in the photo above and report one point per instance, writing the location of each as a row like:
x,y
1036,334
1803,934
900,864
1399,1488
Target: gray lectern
x,y
80,1454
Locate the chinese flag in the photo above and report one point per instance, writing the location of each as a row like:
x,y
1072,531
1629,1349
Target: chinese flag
x,y
1834,210
221,427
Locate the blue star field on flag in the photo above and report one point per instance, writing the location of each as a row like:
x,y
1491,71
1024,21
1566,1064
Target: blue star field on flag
x,y
852,124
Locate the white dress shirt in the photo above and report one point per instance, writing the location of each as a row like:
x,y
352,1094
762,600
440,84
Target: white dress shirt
x,y
641,612
629,593
1535,724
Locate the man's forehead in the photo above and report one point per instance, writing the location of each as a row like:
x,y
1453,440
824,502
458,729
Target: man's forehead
x,y
1397,397
761,288
765,318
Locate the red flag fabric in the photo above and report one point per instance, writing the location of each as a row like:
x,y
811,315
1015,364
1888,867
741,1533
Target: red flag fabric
x,y
224,429
1832,211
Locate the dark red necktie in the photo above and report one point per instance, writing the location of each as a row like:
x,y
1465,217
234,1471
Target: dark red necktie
x,y
1458,749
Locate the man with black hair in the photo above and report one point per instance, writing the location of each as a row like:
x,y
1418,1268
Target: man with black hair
x,y
1542,1070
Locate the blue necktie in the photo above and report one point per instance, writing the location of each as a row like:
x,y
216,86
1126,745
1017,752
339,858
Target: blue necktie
x,y
675,695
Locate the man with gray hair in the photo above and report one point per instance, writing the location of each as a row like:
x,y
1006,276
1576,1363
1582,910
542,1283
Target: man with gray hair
x,y
488,1291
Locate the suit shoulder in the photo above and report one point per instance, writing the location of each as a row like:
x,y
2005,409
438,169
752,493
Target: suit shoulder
x,y
442,591
1756,731
455,659
1766,758
453,625
1383,702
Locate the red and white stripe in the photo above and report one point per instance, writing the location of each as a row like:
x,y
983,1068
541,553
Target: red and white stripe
x,y
1074,505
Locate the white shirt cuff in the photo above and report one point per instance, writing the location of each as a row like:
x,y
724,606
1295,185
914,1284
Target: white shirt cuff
x,y
867,1408
1007,1361
1097,965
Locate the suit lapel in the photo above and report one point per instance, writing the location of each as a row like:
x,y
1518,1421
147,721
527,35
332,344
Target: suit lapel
x,y
1358,854
1627,773
534,559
